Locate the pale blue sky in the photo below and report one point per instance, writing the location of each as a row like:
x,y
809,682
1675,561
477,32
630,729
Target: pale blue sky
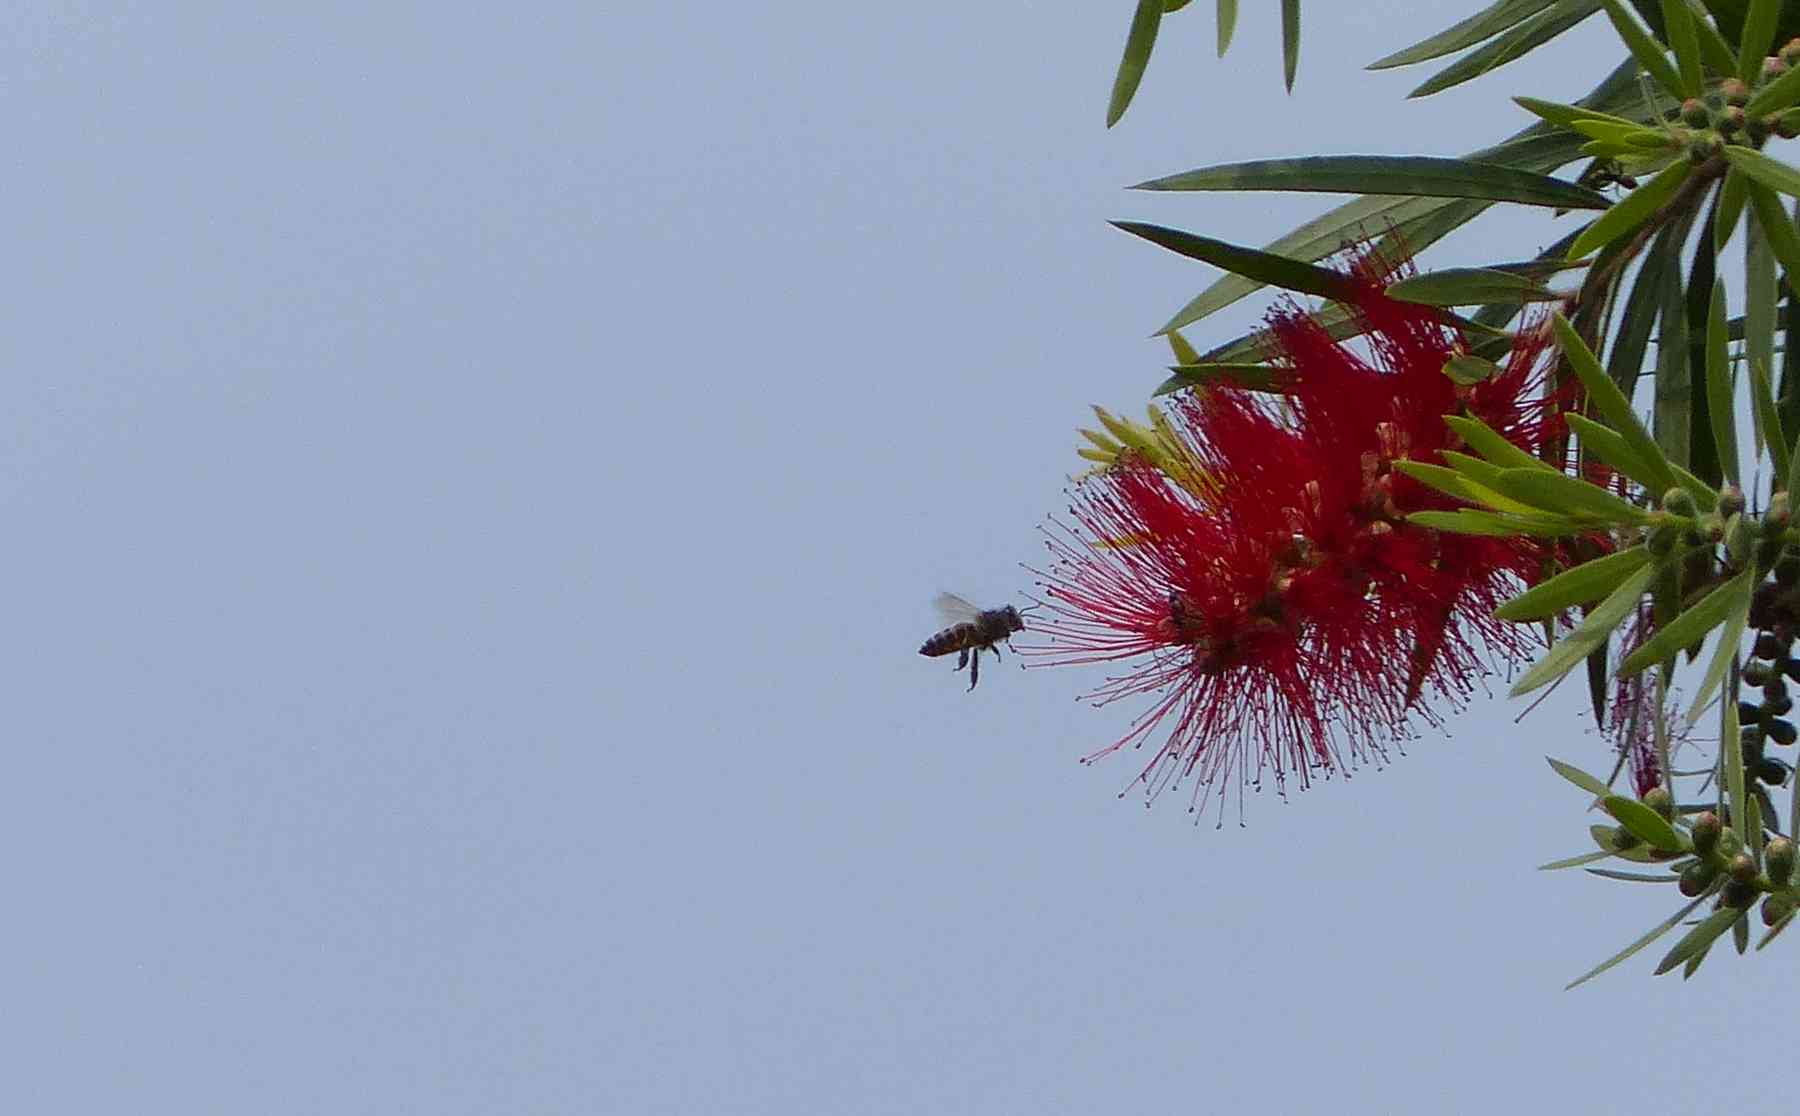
x,y
475,482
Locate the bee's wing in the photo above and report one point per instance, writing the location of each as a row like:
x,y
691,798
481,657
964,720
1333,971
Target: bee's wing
x,y
955,610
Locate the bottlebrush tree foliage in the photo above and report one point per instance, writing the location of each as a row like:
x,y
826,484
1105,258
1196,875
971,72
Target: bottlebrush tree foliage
x,y
1327,530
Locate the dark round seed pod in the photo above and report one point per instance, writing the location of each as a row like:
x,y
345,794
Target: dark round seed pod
x,y
1756,674
1778,861
1766,647
1772,771
1750,738
1696,877
1778,706
1749,713
1780,730
1763,608
1775,688
1739,894
1787,571
1706,832
1791,668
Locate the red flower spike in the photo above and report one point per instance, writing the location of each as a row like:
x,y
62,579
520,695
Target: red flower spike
x,y
1289,618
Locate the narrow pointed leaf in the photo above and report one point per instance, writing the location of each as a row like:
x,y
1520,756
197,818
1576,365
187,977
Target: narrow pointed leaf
x,y
1758,35
1139,42
1716,52
1611,403
1604,443
1593,632
1649,936
1290,41
1759,331
1632,210
1471,521
1491,444
1698,939
1391,175
1719,386
1264,267
1561,494
1645,49
1779,94
1468,286
1731,206
1485,24
1678,28
1686,629
1768,420
1575,861
1730,638
1248,377
1637,321
1674,386
1773,173
1643,822
1452,483
1634,877
1776,929
1227,23
1510,46
1580,778
1580,585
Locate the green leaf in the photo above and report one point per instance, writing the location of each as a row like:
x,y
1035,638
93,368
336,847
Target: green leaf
x,y
1184,352
1604,443
1638,318
1471,521
1714,49
1467,370
1290,41
1491,444
1674,388
1772,221
1643,822
1686,629
1645,49
1649,936
1634,877
1510,46
1756,38
1611,403
1768,421
1575,861
1485,24
1566,116
1698,939
1227,24
1779,94
1452,483
1264,267
1731,207
1244,376
1759,333
1561,494
1632,210
1742,587
1593,633
1468,286
1389,175
1719,386
1744,811
1678,28
1579,777
1580,585
1772,173
1139,42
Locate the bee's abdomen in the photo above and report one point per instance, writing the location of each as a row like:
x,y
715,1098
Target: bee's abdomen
x,y
948,640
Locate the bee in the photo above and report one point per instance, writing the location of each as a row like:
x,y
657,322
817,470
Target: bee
x,y
972,630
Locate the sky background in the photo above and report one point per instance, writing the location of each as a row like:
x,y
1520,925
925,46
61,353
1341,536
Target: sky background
x,y
475,485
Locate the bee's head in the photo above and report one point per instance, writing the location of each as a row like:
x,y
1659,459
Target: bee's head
x,y
1014,622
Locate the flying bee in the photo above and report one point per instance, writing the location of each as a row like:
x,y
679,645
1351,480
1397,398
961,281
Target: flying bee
x,y
972,630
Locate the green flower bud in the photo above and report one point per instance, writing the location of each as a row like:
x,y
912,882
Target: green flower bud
x,y
1706,833
1778,858
1742,868
1790,52
1697,877
1695,114
1735,92
1658,799
1679,501
1773,67
1777,515
1776,908
1731,501
1732,120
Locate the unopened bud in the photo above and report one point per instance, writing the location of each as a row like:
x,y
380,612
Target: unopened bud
x,y
1735,92
1694,113
1739,895
1658,799
1778,858
1731,501
1776,516
1773,67
1706,833
1697,877
1776,908
1732,120
1679,501
1742,868
1790,52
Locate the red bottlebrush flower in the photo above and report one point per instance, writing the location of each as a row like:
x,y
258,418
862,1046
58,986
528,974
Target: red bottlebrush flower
x,y
1285,614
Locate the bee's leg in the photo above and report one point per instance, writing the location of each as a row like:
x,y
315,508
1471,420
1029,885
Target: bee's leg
x,y
995,648
963,659
974,668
